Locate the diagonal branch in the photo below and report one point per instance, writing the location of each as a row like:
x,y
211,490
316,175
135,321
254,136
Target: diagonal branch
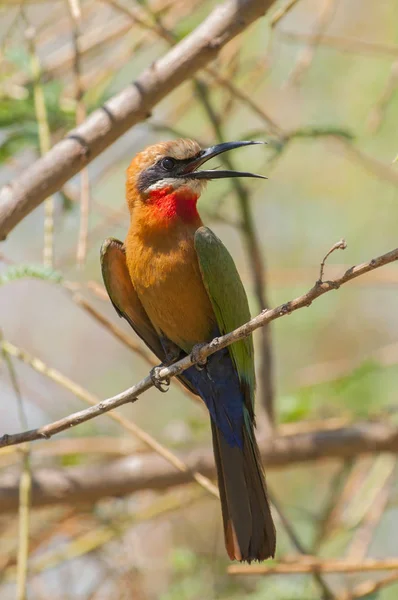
x,y
124,110
165,373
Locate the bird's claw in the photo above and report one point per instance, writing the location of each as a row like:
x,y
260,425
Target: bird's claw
x,y
200,363
161,384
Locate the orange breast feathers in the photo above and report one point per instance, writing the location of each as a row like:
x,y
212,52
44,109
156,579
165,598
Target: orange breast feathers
x,y
164,268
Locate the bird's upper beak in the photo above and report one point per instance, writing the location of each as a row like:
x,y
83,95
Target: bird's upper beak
x,y
191,166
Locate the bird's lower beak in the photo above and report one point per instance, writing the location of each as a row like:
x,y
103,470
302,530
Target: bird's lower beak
x,y
190,169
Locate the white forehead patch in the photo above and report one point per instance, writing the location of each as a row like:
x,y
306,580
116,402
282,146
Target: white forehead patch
x,y
178,149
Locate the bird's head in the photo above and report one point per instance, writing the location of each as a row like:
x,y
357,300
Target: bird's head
x,y
165,182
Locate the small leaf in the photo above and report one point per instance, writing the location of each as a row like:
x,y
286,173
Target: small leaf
x,y
35,271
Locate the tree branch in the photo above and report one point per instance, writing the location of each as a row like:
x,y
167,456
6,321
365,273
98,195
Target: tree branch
x,y
86,484
165,373
311,564
125,109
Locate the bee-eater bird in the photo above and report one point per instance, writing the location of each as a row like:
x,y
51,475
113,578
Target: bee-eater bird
x,y
177,285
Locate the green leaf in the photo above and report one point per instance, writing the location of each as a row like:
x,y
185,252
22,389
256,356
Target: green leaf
x,y
15,142
34,271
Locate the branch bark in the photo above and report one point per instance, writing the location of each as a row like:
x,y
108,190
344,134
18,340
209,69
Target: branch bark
x,y
87,484
124,110
166,373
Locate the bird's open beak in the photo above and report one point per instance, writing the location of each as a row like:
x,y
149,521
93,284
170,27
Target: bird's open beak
x,y
190,169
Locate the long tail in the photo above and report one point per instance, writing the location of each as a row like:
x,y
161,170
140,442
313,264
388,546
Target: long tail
x,y
248,527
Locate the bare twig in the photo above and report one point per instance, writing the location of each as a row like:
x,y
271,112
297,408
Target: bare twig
x,y
119,334
341,245
281,12
125,109
81,114
369,163
350,487
44,144
89,398
165,373
368,588
363,536
336,486
116,331
96,537
344,44
295,540
25,489
306,55
377,113
311,564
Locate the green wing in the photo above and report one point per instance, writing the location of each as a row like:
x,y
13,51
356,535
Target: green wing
x,y
123,295
229,301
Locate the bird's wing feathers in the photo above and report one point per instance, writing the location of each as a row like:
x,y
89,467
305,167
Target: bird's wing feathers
x,y
229,301
123,295
126,302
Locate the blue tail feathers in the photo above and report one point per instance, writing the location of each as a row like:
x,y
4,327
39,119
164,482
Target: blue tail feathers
x,y
219,387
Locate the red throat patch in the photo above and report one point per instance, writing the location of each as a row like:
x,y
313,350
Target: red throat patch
x,y
169,204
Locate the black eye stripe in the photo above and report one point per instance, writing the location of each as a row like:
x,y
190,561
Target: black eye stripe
x,y
168,163
161,170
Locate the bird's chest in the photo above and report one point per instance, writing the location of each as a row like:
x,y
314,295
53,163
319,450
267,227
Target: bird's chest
x,y
169,284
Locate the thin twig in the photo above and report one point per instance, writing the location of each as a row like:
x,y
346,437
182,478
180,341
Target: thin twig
x,y
363,536
326,591
306,55
81,114
344,44
165,373
119,334
313,564
95,402
341,245
352,483
335,489
368,588
96,537
44,143
281,12
378,112
25,489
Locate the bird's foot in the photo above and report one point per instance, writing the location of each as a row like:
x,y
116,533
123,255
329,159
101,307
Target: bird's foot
x,y
196,352
161,383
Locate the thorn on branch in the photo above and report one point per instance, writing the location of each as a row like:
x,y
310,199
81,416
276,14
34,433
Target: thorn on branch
x,y
340,245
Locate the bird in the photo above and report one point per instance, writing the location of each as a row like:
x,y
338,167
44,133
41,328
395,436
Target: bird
x,y
176,284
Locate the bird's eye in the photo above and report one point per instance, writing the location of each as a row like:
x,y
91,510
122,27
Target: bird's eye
x,y
168,163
